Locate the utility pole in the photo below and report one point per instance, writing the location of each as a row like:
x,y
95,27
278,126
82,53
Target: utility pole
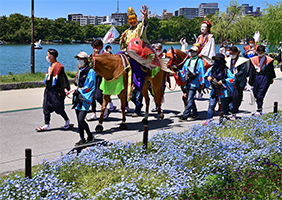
x,y
32,39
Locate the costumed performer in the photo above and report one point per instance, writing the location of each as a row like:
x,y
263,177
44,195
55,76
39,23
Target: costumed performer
x,y
206,45
261,76
192,74
97,46
239,67
222,81
134,31
57,88
251,49
83,96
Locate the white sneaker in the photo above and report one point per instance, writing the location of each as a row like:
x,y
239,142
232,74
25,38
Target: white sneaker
x,y
257,114
92,117
67,125
106,113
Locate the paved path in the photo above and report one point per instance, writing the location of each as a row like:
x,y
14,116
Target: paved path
x,y
21,112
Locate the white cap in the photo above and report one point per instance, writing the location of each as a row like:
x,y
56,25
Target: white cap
x,y
194,48
82,54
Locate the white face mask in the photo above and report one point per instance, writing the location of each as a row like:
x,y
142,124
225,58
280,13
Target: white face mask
x,y
193,53
233,57
80,63
204,28
158,53
252,44
48,59
261,55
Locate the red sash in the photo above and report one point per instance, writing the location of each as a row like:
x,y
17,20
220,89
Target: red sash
x,y
256,60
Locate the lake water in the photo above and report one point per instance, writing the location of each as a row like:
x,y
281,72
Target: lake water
x,y
16,58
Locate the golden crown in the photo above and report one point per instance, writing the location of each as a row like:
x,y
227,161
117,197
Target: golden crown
x,y
130,11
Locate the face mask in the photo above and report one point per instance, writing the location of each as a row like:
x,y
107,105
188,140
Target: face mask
x,y
228,53
48,59
252,44
194,53
261,55
80,63
233,57
158,53
204,28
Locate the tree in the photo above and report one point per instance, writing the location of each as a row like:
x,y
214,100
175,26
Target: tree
x,y
244,28
223,22
271,24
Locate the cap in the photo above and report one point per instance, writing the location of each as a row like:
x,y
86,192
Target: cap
x,y
220,56
194,48
81,54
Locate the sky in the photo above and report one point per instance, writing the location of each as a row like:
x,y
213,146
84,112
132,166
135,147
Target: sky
x,y
54,9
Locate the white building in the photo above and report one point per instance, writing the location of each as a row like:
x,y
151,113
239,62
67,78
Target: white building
x,y
110,21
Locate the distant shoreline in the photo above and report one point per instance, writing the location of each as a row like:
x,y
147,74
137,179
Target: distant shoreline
x,y
85,42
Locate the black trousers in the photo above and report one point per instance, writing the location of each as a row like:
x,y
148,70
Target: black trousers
x,y
237,97
82,125
53,102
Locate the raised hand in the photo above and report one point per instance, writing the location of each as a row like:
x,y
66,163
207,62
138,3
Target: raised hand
x,y
144,11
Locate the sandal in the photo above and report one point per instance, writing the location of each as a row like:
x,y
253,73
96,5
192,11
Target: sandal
x,y
92,117
43,128
68,126
106,114
154,110
113,109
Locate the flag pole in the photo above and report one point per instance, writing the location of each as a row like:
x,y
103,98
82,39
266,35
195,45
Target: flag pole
x,y
32,39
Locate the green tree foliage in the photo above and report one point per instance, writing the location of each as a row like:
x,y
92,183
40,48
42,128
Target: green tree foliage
x,y
271,24
173,29
16,28
231,25
223,22
243,28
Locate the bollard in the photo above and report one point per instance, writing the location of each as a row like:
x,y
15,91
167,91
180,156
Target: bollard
x,y
28,163
275,108
220,117
145,137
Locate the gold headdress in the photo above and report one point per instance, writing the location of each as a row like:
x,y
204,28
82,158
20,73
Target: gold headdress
x,y
130,11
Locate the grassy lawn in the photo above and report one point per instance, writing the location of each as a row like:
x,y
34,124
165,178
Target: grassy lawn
x,y
28,77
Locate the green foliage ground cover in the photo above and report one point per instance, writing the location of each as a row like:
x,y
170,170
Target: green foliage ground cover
x,y
234,160
28,77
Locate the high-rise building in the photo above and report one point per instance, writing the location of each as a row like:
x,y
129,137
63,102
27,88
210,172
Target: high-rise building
x,y
74,17
257,12
176,13
189,13
120,17
207,9
246,9
166,15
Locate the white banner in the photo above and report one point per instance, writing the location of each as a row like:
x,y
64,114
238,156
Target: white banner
x,y
257,36
111,35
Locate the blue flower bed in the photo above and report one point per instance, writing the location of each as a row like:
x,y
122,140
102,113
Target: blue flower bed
x,y
175,163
